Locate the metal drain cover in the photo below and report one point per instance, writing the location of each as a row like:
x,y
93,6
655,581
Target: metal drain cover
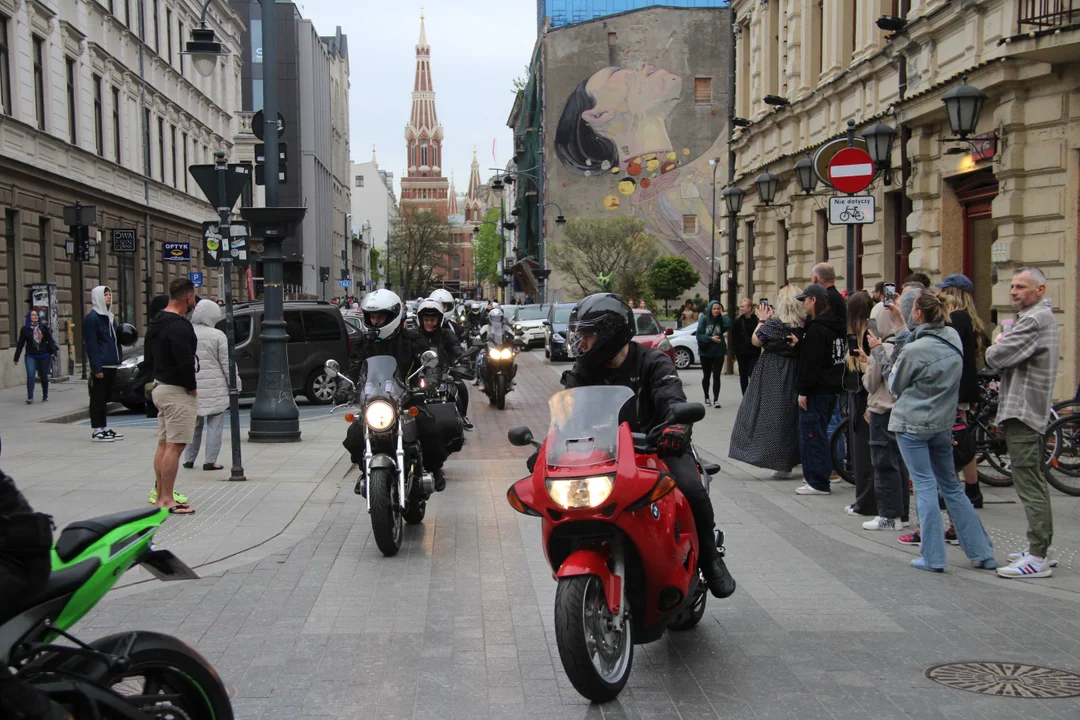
x,y
1005,679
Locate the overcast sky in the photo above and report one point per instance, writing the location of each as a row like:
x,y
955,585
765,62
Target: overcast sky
x,y
477,48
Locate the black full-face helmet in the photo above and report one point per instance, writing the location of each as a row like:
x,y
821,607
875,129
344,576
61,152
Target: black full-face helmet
x,y
127,334
610,318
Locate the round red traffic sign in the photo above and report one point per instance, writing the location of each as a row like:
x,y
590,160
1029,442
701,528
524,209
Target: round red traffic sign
x,y
851,170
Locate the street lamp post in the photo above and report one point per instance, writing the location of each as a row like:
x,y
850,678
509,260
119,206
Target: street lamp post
x,y
274,416
715,162
733,199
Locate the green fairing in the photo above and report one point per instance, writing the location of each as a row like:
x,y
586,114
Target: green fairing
x,y
135,539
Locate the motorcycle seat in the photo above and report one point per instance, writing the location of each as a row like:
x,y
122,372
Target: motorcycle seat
x,y
81,534
66,581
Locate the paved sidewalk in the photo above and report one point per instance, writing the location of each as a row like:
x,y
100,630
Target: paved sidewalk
x,y
65,474
459,624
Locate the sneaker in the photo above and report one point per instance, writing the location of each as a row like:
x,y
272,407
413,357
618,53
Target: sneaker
x,y
883,523
45,399
950,535
115,435
716,405
850,510
988,564
29,401
913,538
781,475
1026,566
180,498
101,436
707,402
466,423
1052,562
919,563
835,478
807,490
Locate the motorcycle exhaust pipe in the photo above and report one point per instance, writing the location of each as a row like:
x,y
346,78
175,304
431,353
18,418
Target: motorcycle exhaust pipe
x,y
427,483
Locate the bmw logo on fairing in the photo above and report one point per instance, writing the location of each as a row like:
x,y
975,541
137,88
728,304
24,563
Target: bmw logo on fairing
x,y
655,512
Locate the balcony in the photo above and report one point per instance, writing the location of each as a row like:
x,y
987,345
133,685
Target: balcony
x,y
1047,31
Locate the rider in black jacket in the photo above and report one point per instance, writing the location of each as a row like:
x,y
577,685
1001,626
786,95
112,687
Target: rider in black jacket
x,y
437,336
600,331
386,335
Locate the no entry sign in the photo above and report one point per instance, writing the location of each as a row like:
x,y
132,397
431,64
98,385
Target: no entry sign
x,y
851,170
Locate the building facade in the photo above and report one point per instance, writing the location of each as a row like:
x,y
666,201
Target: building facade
x,y
1008,198
568,12
423,187
99,106
624,116
374,205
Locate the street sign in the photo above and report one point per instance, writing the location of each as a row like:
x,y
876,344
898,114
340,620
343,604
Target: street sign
x,y
196,278
851,170
258,124
124,240
851,210
345,283
176,252
237,176
260,152
826,152
233,249
282,175
80,214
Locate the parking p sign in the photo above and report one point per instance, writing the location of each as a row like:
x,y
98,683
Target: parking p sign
x,y
196,278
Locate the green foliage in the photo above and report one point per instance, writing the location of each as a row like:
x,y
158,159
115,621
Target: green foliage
x,y
373,265
670,277
418,244
486,250
615,249
521,82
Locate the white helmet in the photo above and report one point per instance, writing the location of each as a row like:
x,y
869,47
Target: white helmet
x,y
444,298
428,307
382,301
496,313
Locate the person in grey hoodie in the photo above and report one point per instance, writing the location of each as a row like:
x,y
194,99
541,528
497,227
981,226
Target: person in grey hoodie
x,y
925,380
212,379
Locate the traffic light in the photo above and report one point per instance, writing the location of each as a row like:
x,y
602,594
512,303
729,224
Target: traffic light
x,y
324,274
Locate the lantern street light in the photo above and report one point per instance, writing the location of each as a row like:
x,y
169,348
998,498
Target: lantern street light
x,y
964,104
767,184
879,139
733,198
805,175
204,49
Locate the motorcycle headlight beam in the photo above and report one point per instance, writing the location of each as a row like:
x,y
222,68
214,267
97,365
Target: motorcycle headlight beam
x,y
503,354
584,492
379,415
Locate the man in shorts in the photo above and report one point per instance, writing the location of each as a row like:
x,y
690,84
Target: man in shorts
x,y
171,342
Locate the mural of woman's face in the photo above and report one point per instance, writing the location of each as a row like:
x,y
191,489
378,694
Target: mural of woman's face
x,y
627,96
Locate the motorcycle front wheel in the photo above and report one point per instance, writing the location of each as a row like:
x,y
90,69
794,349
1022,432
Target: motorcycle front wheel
x,y
597,658
386,523
500,392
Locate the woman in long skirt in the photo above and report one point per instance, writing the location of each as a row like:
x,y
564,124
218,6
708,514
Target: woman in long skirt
x,y
766,432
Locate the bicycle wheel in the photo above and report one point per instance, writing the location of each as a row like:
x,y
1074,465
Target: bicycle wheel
x,y
838,441
994,466
1063,451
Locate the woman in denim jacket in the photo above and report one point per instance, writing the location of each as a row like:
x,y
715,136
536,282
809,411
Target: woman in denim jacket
x,y
926,383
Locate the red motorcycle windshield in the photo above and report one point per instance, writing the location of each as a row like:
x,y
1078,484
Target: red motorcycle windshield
x,y
584,427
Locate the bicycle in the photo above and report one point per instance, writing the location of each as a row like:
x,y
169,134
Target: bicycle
x,y
851,213
1063,449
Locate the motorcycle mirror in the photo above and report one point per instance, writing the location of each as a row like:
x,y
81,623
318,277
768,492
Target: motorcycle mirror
x,y
333,369
669,331
520,436
429,359
685,413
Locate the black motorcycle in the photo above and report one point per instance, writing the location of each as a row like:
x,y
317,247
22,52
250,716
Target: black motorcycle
x,y
498,372
385,437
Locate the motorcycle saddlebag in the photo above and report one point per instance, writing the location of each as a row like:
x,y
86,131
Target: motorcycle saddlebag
x,y
449,422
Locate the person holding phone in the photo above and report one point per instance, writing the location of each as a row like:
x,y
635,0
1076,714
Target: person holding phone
x,y
742,340
859,306
712,348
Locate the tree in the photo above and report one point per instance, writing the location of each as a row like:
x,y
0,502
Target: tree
x,y
670,277
595,252
521,82
419,242
486,250
373,265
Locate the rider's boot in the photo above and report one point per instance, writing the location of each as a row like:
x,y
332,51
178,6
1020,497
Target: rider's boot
x,y
466,422
440,480
713,567
361,487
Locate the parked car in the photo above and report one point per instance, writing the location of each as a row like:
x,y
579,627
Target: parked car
x,y
651,334
123,389
685,345
527,322
555,331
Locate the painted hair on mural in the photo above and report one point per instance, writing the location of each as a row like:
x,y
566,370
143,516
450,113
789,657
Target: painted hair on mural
x,y
581,150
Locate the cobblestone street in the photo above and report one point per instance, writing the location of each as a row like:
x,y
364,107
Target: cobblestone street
x,y
459,624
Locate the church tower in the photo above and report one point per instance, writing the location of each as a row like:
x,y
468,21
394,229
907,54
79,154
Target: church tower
x,y
424,186
474,206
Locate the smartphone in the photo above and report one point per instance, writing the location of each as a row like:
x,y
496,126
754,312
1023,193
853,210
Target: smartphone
x,y
853,345
763,302
873,326
889,297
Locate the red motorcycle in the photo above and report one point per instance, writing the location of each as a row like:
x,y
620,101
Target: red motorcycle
x,y
617,533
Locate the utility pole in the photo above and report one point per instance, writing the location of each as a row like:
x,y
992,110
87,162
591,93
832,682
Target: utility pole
x,y
225,230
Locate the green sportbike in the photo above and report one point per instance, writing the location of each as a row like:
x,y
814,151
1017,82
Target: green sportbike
x,y
132,675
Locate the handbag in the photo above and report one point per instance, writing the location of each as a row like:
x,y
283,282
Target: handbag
x,y
963,437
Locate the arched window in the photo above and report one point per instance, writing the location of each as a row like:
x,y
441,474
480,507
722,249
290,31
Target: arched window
x,y
423,153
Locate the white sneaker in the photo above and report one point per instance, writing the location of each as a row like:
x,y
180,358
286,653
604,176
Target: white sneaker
x,y
101,436
884,523
1016,556
707,402
781,475
807,490
850,510
113,434
1026,566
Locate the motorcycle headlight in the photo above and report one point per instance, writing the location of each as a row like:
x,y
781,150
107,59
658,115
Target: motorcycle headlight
x,y
132,361
497,354
586,492
517,326
379,415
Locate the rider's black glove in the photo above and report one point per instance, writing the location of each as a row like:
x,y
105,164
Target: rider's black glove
x,y
673,441
531,462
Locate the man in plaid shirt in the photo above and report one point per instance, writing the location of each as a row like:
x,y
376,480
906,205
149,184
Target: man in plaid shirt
x,y
1027,357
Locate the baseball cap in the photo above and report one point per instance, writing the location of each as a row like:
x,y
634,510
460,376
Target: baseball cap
x,y
814,291
958,281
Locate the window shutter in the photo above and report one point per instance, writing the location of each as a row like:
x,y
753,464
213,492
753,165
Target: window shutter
x,y
702,90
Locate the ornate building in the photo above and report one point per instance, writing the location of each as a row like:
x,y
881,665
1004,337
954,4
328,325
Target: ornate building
x,y
424,186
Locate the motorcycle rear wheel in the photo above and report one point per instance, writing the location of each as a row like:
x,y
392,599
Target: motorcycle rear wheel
x,y
597,660
386,523
500,392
